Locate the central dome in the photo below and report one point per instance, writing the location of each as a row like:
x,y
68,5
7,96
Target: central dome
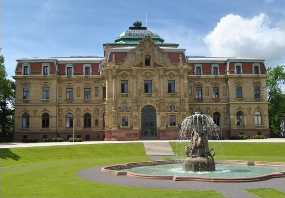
x,y
136,33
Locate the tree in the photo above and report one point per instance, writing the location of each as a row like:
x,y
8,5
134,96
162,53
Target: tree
x,y
7,98
276,97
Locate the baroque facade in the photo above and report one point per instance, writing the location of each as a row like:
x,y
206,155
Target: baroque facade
x,y
142,88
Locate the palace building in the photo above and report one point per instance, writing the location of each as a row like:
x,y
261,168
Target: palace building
x,y
142,88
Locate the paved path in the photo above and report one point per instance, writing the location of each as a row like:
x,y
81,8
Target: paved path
x,y
20,144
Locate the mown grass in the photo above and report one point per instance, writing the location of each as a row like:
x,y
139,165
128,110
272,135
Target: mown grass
x,y
251,151
266,192
51,172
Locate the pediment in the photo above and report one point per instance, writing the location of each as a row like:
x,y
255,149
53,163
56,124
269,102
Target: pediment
x,y
147,47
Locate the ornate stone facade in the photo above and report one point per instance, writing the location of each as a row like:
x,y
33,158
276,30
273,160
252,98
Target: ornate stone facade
x,y
141,89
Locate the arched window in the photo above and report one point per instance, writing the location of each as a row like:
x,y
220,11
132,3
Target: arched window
x,y
257,118
87,120
147,60
25,120
69,120
240,118
216,118
45,120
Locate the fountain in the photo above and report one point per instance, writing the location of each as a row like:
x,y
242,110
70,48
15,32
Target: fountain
x,y
199,164
196,128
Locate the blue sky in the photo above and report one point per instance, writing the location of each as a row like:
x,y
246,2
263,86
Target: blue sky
x,y
224,28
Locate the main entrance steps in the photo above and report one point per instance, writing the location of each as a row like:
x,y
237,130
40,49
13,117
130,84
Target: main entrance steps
x,y
157,150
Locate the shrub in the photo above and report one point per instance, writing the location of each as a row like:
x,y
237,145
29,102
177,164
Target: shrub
x,y
216,137
47,139
75,140
57,139
258,137
238,137
30,140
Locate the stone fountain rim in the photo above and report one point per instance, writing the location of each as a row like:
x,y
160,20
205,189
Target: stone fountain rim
x,y
114,169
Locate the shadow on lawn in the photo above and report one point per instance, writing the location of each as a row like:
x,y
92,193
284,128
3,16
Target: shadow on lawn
x,y
7,153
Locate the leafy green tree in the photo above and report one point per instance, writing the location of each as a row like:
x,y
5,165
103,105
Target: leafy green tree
x,y
276,97
7,98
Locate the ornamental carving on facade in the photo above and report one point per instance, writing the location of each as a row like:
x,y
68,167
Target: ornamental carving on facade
x,y
248,110
239,109
26,84
35,112
157,104
258,109
45,84
87,111
158,64
45,110
136,120
199,110
256,83
137,64
60,112
125,107
238,82
124,74
114,120
148,74
96,111
162,123
172,107
78,112
171,74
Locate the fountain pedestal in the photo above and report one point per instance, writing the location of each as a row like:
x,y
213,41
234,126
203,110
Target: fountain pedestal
x,y
198,164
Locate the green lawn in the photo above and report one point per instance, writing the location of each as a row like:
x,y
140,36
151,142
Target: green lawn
x,y
251,151
266,192
51,172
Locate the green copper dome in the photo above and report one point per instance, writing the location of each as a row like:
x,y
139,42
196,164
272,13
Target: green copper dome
x,y
134,34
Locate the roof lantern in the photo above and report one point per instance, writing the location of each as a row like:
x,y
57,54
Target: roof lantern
x,y
136,33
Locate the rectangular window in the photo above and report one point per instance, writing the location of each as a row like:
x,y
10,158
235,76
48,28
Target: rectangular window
x,y
147,86
256,69
215,92
26,93
69,93
190,91
96,122
46,93
96,91
87,71
171,86
215,71
26,70
172,120
198,71
45,70
87,137
104,92
124,86
125,121
87,93
238,69
198,92
69,71
257,92
238,92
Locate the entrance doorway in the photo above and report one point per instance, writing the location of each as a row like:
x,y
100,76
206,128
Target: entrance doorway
x,y
148,121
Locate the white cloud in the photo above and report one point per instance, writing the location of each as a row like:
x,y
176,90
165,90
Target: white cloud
x,y
248,37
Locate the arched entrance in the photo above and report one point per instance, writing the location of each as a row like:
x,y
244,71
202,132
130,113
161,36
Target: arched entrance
x,y
148,121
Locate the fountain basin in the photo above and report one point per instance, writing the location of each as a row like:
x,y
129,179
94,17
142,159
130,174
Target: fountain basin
x,y
124,169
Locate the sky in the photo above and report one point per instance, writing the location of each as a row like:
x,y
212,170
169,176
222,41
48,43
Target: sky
x,y
215,28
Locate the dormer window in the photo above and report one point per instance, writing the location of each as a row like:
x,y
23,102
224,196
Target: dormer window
x,y
26,69
87,70
45,69
215,69
256,68
69,70
147,60
238,69
198,69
